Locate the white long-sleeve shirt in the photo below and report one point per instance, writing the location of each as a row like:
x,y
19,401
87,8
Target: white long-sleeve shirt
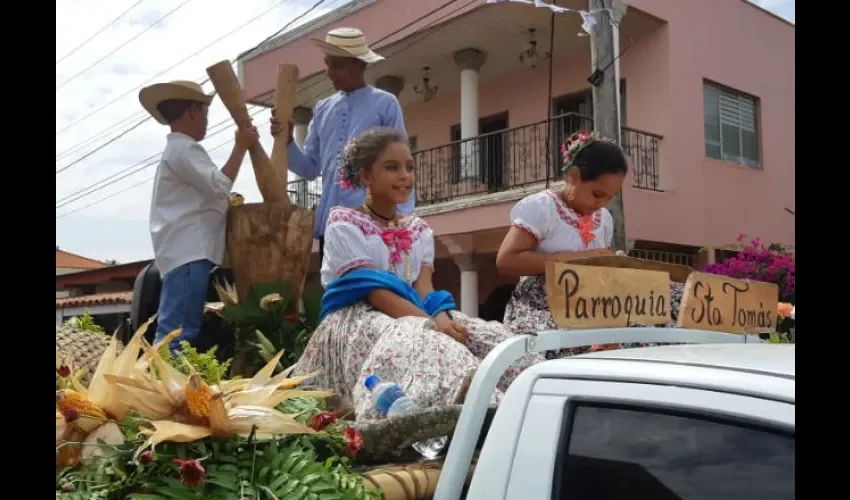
x,y
189,207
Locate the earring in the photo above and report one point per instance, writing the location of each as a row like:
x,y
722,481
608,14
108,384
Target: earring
x,y
570,192
368,195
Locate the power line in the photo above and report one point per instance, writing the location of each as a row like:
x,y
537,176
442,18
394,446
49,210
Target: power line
x,y
414,42
284,28
103,132
116,49
138,167
107,143
133,186
106,181
215,41
101,30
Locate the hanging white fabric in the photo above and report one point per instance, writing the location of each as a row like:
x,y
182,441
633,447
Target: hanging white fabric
x,y
588,17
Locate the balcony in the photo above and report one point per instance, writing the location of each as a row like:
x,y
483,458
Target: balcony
x,y
506,160
521,156
304,193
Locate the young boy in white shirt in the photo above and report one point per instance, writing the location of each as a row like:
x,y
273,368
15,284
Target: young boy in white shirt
x,y
189,205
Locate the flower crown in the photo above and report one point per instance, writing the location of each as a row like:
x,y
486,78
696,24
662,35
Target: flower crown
x,y
577,142
349,177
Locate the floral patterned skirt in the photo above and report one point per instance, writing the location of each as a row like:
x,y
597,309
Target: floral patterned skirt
x,y
355,342
528,312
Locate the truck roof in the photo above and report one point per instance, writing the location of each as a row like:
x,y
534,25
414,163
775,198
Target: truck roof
x,y
760,370
767,359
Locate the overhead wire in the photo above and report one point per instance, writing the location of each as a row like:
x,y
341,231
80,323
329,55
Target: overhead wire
x,y
132,186
100,134
98,32
137,167
128,42
144,119
379,47
112,179
214,42
93,151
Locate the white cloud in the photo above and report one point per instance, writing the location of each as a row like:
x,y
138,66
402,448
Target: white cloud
x,y
117,227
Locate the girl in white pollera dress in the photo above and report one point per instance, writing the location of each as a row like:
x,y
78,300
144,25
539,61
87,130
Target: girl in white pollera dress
x,y
552,223
380,312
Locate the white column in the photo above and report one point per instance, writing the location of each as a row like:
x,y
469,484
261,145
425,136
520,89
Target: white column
x,y
468,285
470,62
390,83
301,119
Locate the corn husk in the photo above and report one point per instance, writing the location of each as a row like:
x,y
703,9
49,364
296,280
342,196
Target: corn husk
x,y
149,386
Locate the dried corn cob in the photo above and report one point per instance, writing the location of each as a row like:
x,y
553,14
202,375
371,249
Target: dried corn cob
x,y
67,399
198,396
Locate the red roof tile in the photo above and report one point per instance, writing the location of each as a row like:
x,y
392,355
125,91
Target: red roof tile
x,y
73,261
98,299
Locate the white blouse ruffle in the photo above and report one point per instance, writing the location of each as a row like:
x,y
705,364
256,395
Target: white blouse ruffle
x,y
353,239
555,226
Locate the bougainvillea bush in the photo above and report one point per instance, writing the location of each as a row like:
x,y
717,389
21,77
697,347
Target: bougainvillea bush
x,y
772,263
756,261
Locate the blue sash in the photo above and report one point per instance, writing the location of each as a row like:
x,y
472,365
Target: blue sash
x,y
358,284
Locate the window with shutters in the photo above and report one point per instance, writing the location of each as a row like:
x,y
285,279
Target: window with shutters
x,y
731,126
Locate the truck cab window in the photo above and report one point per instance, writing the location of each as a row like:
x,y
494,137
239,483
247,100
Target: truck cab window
x,y
611,453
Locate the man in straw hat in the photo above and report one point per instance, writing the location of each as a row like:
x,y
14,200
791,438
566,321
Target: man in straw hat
x,y
189,205
354,108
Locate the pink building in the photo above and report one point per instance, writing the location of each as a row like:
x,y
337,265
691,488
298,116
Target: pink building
x,y
707,105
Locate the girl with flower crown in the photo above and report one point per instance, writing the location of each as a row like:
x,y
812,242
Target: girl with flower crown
x,y
571,222
380,312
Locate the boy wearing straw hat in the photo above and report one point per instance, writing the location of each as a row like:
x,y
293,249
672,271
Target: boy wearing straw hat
x,y
189,204
354,108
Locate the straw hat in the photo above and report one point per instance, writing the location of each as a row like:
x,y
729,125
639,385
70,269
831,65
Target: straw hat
x,y
347,42
151,96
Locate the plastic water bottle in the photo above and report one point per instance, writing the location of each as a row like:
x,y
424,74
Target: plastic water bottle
x,y
390,400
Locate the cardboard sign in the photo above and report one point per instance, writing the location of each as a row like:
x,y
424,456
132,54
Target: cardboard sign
x,y
599,297
723,304
677,272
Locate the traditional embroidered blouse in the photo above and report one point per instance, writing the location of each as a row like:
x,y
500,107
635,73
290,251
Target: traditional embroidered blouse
x,y
353,239
558,228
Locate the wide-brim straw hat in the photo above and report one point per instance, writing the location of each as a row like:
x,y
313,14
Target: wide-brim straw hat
x,y
348,42
151,96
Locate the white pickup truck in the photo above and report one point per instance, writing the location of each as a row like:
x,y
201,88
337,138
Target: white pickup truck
x,y
711,420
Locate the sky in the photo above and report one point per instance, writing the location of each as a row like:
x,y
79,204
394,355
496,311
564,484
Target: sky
x,y
97,99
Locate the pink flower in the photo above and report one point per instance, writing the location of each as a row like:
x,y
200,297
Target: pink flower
x,y
343,181
757,261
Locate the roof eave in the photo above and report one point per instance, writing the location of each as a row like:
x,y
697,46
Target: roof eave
x,y
305,29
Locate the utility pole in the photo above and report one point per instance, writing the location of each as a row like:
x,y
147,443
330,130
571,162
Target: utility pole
x,y
604,45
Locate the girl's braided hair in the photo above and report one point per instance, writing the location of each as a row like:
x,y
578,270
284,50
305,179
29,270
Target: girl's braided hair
x,y
593,155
